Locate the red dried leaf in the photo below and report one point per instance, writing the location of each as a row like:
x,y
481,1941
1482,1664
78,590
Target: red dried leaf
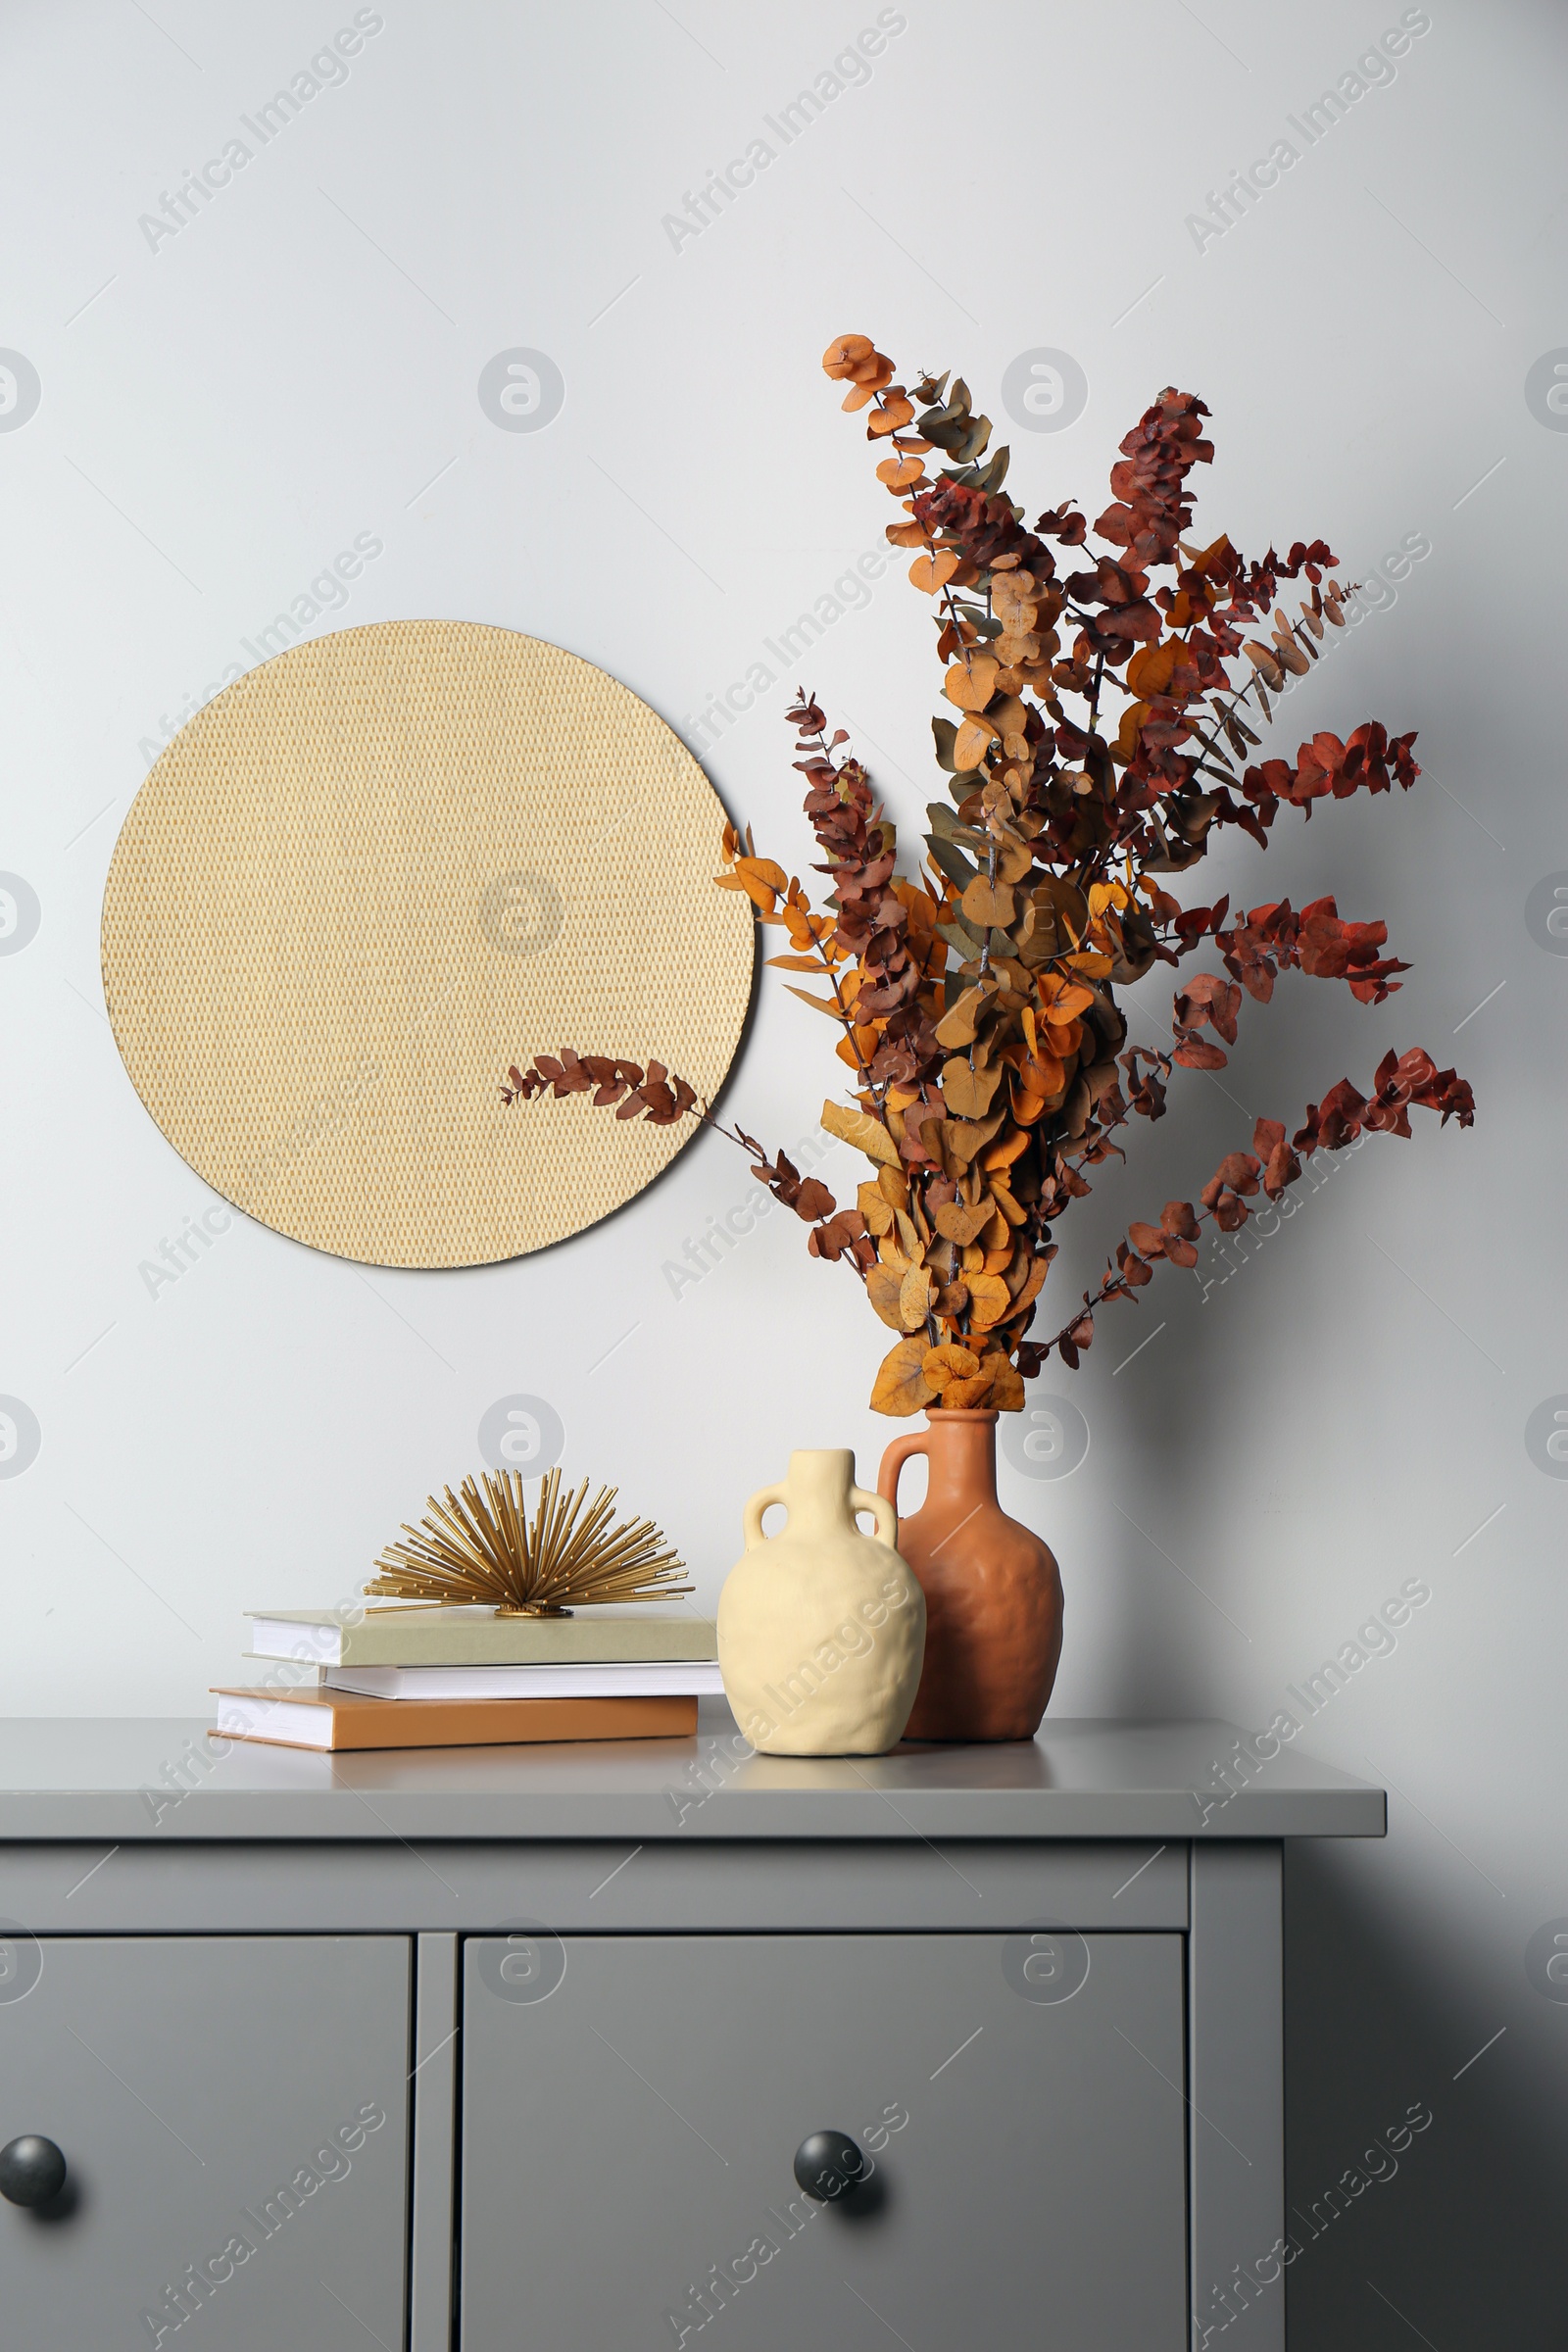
x,y
1239,1170
814,1200
1133,1269
1206,999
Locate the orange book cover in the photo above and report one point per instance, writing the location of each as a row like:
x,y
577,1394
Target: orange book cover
x,y
340,1719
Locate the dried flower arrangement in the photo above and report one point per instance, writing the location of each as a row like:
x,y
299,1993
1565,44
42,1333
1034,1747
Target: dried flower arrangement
x,y
975,1000
481,1547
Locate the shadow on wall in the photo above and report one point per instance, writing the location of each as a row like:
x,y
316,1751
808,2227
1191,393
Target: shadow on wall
x,y
1460,2234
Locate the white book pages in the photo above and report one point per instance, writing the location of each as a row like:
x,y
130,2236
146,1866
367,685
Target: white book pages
x,y
655,1678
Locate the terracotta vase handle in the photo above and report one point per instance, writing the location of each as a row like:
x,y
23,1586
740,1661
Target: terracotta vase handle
x,y
893,1462
882,1512
751,1522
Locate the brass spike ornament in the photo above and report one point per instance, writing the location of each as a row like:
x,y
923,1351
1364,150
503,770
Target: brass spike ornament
x,y
481,1548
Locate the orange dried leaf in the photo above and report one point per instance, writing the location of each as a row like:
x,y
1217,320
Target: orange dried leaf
x,y
901,1387
874,1209
1150,669
957,1026
989,904
1063,1000
961,1139
967,1092
949,1362
988,1299
1045,1074
914,1298
971,684
914,1247
858,1128
889,416
931,572
1012,1209
970,743
956,1223
846,353
1003,1155
755,877
996,1239
817,1004
884,1286
1034,1283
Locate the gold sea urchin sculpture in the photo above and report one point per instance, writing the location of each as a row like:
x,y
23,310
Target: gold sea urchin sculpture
x,y
481,1547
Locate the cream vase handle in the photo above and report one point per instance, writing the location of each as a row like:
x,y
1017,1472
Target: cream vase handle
x,y
752,1523
881,1511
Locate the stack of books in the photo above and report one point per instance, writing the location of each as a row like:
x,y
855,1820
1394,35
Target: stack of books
x,y
433,1677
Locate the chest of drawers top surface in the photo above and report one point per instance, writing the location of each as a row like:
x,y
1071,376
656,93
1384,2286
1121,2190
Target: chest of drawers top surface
x,y
162,1778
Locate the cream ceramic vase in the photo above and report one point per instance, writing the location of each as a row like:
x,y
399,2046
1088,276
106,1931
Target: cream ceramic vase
x,y
821,1630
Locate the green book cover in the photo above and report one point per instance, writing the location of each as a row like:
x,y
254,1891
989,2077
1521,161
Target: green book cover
x,y
438,1637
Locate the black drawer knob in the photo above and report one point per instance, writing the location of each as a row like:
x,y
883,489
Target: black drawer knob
x,y
827,2163
32,2171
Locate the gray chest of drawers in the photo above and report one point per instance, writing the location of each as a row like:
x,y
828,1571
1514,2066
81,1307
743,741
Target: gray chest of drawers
x,y
477,2050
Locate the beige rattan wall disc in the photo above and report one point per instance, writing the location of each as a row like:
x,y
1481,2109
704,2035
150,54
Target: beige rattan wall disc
x,y
369,876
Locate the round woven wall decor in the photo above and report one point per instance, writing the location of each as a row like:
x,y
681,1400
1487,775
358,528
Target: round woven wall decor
x,y
370,875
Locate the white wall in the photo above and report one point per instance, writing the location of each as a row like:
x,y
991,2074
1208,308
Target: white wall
x,y
225,409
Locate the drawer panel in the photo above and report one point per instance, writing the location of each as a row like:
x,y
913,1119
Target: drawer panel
x,y
216,2099
632,2107
783,1886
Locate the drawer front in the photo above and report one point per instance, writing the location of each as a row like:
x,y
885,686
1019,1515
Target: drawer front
x,y
629,2128
216,2099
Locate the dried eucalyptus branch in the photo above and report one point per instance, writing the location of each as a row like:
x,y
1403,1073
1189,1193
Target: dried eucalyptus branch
x,y
975,1000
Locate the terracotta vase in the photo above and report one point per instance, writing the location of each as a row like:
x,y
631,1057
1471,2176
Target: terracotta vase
x,y
993,1595
820,1628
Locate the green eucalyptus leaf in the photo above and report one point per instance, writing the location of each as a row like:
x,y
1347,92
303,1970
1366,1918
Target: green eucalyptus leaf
x,y
951,860
947,735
